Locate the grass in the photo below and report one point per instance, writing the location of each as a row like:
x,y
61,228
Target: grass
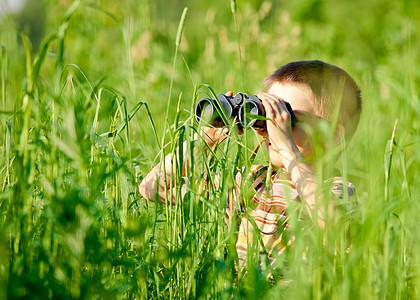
x,y
82,121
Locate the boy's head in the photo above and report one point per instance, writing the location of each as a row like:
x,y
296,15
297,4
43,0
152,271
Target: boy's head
x,y
334,92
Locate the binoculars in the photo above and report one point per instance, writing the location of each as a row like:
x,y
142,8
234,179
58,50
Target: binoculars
x,y
245,110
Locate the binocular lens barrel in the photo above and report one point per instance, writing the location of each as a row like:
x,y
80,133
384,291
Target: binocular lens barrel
x,y
252,108
212,112
204,110
243,108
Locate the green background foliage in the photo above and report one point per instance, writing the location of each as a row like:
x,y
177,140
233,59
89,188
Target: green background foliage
x,y
92,90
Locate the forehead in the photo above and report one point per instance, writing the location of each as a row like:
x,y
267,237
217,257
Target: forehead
x,y
299,95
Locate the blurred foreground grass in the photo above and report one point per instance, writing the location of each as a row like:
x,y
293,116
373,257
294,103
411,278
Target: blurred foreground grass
x,y
83,115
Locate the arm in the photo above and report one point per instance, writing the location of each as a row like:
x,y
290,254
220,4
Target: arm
x,y
302,177
159,180
286,152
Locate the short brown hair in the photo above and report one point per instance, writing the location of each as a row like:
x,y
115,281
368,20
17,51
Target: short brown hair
x,y
330,86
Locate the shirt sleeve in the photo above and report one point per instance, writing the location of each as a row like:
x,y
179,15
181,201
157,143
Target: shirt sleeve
x,y
255,179
343,193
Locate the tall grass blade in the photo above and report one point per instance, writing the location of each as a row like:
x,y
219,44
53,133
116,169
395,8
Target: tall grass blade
x,y
177,44
388,159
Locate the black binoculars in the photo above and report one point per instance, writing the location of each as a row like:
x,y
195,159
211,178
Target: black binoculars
x,y
240,107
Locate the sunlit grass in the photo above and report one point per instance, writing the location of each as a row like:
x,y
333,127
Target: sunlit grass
x,y
83,120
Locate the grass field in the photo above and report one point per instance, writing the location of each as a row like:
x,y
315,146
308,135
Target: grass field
x,y
94,93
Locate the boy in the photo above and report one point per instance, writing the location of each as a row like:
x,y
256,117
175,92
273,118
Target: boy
x,y
315,90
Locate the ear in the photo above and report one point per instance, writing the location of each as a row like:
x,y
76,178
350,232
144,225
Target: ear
x,y
339,134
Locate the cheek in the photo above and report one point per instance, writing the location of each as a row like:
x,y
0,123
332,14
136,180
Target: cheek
x,y
300,137
302,141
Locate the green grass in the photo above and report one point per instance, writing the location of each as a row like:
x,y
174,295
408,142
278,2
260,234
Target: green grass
x,y
85,114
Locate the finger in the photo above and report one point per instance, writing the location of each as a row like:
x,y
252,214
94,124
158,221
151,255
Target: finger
x,y
270,98
283,112
268,108
229,94
279,107
270,105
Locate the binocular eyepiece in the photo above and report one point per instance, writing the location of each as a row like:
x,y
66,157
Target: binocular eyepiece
x,y
240,107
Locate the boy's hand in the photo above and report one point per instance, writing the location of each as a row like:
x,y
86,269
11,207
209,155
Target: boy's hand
x,y
214,136
229,94
279,127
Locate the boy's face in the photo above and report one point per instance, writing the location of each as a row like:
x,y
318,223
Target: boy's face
x,y
301,99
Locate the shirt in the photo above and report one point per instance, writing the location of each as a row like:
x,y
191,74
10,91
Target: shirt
x,y
266,212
